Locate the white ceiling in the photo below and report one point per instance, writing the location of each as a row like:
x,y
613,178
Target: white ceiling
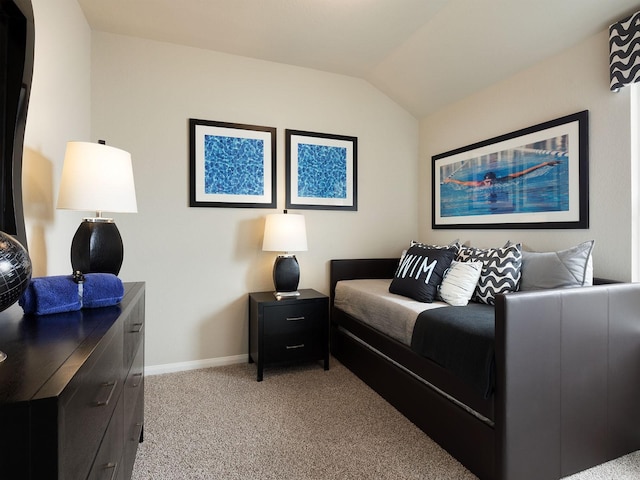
x,y
422,53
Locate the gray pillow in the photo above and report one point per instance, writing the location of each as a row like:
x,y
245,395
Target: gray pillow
x,y
572,267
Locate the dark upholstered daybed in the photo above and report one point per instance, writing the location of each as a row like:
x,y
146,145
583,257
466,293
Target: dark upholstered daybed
x,y
566,392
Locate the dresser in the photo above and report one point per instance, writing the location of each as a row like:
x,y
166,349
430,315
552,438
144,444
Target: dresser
x,y
288,329
72,391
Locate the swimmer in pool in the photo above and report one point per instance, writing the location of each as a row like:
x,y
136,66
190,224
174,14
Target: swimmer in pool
x,y
490,178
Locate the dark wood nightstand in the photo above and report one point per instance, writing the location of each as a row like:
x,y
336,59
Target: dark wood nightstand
x,y
289,329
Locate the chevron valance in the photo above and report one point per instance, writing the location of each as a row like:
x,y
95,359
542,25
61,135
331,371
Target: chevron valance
x,y
624,52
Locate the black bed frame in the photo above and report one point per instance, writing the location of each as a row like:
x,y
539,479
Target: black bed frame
x,y
547,424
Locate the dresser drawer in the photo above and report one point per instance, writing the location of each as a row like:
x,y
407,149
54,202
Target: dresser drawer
x,y
108,462
88,404
134,425
133,332
292,319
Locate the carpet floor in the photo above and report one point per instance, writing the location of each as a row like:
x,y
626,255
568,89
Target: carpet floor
x,y
301,422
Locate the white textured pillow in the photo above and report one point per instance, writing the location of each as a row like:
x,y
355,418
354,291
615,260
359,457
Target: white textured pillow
x,y
460,282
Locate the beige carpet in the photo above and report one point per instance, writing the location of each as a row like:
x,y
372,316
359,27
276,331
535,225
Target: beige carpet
x,y
299,423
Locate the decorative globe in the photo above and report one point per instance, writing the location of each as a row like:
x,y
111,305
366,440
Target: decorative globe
x,y
15,270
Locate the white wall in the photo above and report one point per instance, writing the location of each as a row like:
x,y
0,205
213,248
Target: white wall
x,y
575,80
200,263
59,111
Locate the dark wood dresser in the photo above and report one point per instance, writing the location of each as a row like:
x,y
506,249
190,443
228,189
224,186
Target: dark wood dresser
x,y
72,391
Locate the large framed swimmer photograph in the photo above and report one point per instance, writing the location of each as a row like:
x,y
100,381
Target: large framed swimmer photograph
x,y
537,177
231,165
321,171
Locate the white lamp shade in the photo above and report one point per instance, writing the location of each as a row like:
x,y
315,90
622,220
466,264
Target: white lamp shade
x,y
284,232
98,178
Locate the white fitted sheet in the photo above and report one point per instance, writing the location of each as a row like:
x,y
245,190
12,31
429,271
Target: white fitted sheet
x,y
370,301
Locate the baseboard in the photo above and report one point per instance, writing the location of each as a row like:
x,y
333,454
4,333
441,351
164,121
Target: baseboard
x,y
194,365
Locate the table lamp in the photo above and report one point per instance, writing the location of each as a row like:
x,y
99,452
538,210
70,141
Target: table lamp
x,y
284,232
97,177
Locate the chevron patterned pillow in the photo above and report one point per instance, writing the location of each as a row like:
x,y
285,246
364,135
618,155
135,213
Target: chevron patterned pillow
x,y
500,270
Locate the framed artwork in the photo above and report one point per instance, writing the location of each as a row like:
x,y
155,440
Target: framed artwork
x,y
232,165
537,177
321,171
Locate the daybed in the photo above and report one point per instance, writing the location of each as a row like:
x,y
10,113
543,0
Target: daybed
x,y
566,392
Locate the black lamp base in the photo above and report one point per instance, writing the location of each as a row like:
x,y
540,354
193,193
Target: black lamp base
x,y
286,276
97,247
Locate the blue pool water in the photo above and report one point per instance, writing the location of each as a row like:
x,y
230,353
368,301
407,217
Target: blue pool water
x,y
543,190
233,166
322,171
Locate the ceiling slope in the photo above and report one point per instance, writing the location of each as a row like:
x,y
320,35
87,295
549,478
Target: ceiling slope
x,y
424,54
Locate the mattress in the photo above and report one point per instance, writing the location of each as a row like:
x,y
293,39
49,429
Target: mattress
x,y
370,301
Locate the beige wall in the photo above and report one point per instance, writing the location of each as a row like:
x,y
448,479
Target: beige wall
x,y
570,82
59,111
200,263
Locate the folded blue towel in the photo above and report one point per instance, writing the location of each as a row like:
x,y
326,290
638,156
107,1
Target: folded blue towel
x,y
57,294
101,290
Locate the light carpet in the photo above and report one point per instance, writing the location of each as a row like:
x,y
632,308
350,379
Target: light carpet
x,y
301,422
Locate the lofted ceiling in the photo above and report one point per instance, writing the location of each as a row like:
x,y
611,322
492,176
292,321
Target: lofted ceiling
x,y
424,54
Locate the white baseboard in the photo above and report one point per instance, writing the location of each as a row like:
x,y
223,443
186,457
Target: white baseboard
x,y
194,365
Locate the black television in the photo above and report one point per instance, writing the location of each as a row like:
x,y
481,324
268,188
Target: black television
x,y
16,70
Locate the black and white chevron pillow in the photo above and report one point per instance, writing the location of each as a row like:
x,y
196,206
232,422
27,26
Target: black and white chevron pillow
x,y
500,270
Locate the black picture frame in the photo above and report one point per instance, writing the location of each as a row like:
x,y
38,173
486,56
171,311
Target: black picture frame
x,y
536,177
321,171
232,165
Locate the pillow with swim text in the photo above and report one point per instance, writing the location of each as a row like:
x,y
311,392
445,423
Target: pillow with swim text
x,y
420,272
500,270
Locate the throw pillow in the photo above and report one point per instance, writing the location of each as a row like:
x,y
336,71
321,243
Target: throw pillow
x,y
455,244
459,282
500,270
572,267
420,272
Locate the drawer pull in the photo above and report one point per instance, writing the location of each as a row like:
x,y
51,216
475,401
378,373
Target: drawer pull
x,y
113,467
136,327
104,403
294,319
136,382
291,347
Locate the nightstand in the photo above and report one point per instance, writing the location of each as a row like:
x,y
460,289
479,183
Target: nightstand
x,y
289,329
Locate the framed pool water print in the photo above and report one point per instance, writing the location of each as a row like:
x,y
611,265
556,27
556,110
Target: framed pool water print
x,y
321,171
232,165
536,177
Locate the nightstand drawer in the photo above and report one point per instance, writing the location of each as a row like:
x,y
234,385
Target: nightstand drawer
x,y
291,347
292,319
